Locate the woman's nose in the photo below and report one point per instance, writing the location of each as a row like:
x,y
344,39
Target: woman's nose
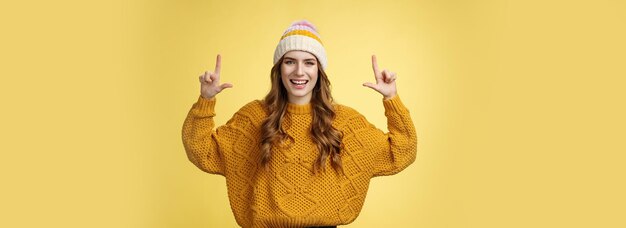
x,y
300,70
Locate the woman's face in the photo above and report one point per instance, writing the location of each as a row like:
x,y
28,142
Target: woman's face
x,y
298,72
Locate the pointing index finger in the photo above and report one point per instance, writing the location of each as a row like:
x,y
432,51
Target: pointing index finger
x,y
375,66
218,64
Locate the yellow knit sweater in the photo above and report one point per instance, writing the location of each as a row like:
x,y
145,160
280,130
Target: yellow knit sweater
x,y
289,194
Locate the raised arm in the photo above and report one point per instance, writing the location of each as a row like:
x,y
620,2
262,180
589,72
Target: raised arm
x,y
198,134
397,148
400,142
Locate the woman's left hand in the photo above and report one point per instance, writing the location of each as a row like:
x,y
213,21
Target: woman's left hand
x,y
385,81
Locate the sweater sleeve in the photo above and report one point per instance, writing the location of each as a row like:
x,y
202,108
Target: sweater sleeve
x,y
199,137
399,145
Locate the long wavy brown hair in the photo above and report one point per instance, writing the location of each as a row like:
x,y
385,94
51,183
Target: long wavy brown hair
x,y
325,136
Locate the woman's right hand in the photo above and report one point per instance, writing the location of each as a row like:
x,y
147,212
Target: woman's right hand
x,y
210,81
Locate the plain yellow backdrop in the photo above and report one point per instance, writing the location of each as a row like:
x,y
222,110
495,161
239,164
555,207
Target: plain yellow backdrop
x,y
519,107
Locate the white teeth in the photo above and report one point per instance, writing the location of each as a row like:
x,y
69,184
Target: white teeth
x,y
299,82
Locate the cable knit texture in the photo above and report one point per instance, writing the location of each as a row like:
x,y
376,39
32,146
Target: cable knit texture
x,y
288,193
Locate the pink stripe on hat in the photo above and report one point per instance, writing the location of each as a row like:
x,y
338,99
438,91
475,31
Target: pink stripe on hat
x,y
301,27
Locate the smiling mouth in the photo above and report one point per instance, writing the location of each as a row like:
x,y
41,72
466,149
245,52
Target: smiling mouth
x,y
299,82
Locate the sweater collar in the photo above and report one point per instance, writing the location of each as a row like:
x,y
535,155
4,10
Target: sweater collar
x,y
299,109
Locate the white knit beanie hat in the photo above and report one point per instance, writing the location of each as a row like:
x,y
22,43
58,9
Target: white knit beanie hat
x,y
301,36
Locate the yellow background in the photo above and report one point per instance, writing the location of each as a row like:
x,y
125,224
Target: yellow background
x,y
519,107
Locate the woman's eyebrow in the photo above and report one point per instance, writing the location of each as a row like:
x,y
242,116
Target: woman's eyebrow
x,y
289,58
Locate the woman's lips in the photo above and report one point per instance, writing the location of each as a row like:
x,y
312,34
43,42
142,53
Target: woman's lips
x,y
299,84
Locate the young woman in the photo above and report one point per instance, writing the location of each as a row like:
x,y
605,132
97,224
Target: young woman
x,y
295,158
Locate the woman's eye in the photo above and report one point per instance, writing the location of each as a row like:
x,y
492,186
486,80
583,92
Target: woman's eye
x,y
292,62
